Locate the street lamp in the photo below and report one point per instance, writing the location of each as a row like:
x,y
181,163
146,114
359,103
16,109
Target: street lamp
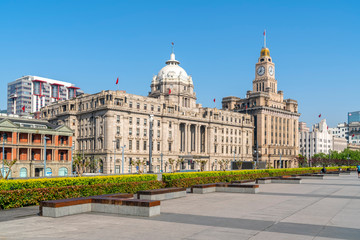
x,y
114,156
122,160
3,156
45,138
150,142
161,155
256,151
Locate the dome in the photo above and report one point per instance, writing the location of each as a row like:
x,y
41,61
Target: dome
x,y
265,52
172,70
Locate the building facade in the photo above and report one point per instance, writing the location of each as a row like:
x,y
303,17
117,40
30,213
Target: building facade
x,y
29,94
353,117
24,139
109,121
319,140
354,133
340,131
275,118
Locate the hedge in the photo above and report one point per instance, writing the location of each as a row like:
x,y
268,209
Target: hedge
x,y
71,181
188,179
26,197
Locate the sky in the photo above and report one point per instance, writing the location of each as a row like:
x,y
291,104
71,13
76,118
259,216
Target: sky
x,y
314,45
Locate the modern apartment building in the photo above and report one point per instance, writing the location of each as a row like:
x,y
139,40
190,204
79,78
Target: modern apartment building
x,y
28,94
26,139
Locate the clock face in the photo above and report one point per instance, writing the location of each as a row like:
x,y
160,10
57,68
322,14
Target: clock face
x,y
260,71
271,70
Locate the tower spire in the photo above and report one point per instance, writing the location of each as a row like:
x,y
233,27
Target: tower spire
x,y
264,38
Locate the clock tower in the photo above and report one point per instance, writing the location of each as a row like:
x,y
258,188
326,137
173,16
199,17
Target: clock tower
x,y
265,73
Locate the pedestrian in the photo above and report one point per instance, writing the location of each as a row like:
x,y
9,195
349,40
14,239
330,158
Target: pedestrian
x,y
358,169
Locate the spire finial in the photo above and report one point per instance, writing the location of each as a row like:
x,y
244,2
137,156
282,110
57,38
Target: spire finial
x,y
264,38
172,47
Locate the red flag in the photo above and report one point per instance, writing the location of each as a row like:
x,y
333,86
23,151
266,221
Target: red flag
x,y
117,80
353,135
319,115
172,43
327,127
169,91
214,99
264,32
23,108
245,107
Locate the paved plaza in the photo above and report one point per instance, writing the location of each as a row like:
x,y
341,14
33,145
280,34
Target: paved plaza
x,y
315,209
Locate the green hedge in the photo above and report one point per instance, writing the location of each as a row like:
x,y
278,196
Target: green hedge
x,y
174,179
72,181
26,197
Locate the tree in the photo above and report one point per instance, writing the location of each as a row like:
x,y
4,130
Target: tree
x,y
223,164
179,163
172,163
139,163
9,164
202,163
80,164
302,162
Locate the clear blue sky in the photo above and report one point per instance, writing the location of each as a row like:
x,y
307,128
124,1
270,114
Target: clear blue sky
x,y
314,45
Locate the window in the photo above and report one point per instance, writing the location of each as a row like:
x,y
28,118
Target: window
x,y
130,145
158,146
170,134
145,107
158,133
159,108
137,145
138,105
130,104
23,172
118,118
170,124
158,123
137,121
145,145
130,120
145,132
63,171
145,121
130,131
137,132
117,130
152,108
169,147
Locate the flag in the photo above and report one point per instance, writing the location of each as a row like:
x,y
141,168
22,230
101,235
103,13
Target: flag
x,y
117,80
353,135
214,99
327,127
245,106
23,108
169,91
264,32
172,43
319,115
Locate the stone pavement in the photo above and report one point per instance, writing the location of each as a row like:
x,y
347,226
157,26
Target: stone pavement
x,y
315,209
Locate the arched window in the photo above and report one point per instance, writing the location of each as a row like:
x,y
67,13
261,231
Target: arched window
x,y
48,172
63,171
23,172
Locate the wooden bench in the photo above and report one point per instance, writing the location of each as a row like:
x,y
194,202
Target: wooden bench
x,y
225,187
265,180
281,179
162,193
310,176
119,203
244,181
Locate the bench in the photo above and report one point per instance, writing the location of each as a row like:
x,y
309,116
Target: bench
x,y
225,187
162,193
310,176
282,179
119,203
244,181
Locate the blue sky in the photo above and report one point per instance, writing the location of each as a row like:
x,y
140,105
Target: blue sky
x,y
314,45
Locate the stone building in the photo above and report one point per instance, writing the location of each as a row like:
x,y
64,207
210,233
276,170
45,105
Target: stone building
x,y
107,121
275,118
24,139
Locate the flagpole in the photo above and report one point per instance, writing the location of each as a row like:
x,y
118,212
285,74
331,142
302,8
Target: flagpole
x,y
265,38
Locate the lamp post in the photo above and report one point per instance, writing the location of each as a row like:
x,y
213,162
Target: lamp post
x,y
161,155
72,158
150,143
114,156
3,157
45,138
122,160
257,156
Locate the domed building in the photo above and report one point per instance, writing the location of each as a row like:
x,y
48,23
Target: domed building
x,y
116,125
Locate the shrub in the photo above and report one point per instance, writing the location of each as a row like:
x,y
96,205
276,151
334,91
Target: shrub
x,y
71,181
174,179
26,197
